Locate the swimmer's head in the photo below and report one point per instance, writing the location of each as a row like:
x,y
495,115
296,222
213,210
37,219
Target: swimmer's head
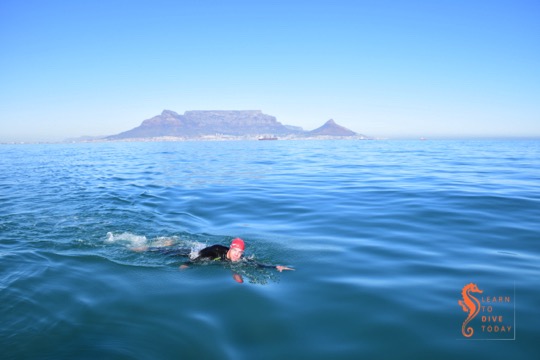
x,y
236,250
238,244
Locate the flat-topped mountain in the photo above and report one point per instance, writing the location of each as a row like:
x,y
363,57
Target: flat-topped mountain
x,y
195,124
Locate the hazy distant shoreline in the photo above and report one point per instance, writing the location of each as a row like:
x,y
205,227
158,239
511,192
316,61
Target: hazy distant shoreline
x,y
320,138
185,139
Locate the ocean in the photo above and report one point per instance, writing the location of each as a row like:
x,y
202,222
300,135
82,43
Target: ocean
x,y
400,250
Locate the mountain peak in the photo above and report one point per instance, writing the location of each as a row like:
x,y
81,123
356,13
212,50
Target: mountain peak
x,y
169,113
330,128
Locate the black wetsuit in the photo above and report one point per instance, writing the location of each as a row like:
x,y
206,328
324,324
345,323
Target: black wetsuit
x,y
213,253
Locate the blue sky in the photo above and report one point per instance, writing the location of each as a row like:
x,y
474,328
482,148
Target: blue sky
x,y
448,68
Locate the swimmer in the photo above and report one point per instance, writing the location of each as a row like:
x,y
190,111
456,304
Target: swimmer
x,y
233,253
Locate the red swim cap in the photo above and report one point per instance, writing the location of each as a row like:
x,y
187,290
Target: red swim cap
x,y
238,244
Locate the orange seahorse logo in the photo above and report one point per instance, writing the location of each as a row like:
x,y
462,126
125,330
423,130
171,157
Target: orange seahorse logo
x,y
471,305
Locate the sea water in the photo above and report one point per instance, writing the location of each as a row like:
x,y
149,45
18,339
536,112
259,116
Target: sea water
x,y
384,237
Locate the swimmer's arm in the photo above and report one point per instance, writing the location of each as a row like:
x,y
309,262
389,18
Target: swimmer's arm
x,y
279,268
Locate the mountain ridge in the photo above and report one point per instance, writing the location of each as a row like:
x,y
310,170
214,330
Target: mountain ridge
x,y
224,123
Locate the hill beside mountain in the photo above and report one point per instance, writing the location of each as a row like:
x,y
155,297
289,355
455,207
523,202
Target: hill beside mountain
x,y
330,128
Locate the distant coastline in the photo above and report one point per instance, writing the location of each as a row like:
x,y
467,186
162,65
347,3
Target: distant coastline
x,y
292,138
214,138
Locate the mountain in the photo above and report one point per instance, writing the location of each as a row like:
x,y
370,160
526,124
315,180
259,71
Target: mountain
x,y
330,128
232,123
204,123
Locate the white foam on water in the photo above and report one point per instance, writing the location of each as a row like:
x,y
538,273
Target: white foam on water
x,y
141,242
195,248
131,239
